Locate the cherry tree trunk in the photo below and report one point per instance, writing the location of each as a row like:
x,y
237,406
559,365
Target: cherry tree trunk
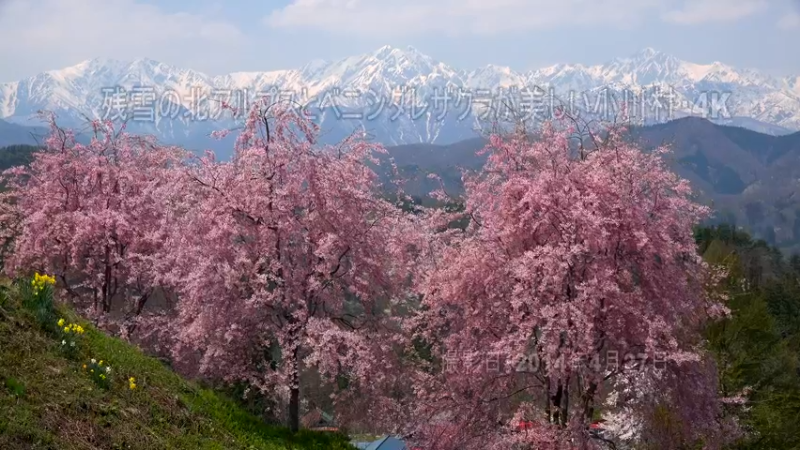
x,y
294,396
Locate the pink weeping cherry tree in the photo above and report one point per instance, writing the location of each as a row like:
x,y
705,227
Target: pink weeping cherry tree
x,y
88,213
286,258
578,268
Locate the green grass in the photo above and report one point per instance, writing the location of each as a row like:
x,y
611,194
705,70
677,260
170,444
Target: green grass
x,y
47,401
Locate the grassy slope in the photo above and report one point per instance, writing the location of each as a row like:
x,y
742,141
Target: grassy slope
x,y
48,402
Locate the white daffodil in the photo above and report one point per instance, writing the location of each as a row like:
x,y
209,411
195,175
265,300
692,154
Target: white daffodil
x,y
94,361
108,369
63,342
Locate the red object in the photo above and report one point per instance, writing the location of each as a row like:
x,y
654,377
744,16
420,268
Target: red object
x,y
523,425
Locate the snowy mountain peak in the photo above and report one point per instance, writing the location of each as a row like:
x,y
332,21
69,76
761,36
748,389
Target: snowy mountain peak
x,y
645,67
150,64
647,52
494,67
396,55
492,75
91,66
647,55
793,83
77,91
314,66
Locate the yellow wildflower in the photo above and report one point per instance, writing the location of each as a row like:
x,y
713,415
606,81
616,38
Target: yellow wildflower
x,y
66,329
39,281
60,322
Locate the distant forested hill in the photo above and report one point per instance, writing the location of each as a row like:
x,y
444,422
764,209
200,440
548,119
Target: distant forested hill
x,y
13,134
749,178
16,155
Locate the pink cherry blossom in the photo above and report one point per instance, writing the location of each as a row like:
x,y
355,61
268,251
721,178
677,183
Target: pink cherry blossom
x,y
570,257
287,248
88,214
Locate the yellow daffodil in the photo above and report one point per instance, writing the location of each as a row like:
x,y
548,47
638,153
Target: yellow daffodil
x,y
60,322
39,281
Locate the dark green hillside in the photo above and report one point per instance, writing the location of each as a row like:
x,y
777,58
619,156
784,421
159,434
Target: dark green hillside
x,y
49,401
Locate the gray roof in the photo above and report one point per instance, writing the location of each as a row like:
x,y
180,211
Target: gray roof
x,y
384,443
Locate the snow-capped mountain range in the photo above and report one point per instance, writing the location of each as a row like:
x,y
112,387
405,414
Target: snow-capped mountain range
x,y
400,95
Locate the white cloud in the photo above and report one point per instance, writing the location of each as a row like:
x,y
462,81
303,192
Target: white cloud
x,y
701,11
36,35
789,21
453,17
458,17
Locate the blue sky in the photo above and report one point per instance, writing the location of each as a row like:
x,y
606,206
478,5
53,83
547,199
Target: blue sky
x,y
225,36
